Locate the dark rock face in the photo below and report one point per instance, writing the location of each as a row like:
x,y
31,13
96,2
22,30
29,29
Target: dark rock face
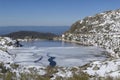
x,y
30,35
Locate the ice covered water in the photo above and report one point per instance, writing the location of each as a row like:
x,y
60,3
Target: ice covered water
x,y
66,54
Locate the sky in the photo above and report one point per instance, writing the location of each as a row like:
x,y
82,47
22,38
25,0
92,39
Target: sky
x,y
51,12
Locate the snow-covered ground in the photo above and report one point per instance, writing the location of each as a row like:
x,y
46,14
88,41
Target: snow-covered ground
x,y
67,57
5,57
5,43
110,67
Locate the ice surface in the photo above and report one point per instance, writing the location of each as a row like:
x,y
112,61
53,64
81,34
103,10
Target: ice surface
x,y
64,56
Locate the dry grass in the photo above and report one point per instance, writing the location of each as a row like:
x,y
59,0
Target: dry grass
x,y
6,74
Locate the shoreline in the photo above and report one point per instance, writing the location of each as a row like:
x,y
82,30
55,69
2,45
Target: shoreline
x,y
108,54
76,42
37,39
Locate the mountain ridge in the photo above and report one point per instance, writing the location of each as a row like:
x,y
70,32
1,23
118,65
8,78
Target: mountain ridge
x,y
102,29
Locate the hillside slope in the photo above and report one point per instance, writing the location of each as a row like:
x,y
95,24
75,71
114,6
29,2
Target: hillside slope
x,y
101,29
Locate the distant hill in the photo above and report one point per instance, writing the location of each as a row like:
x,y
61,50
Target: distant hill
x,y
30,35
58,30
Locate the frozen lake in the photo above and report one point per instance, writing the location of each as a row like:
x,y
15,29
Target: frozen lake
x,y
66,54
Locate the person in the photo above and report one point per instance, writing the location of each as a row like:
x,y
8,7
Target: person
x,y
52,63
17,44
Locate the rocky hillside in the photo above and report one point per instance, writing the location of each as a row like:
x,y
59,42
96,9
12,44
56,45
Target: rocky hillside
x,y
101,29
30,35
5,43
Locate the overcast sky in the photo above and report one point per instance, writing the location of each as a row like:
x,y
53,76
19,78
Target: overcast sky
x,y
50,12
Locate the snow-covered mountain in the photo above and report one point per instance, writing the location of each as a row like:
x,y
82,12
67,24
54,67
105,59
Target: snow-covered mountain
x,y
101,29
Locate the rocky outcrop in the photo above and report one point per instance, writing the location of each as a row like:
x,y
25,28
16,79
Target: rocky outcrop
x,y
6,42
101,29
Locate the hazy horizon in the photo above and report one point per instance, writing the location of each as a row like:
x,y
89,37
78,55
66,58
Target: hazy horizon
x,y
33,26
